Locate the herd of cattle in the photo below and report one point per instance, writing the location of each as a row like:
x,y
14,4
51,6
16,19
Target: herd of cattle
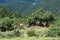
x,y
44,24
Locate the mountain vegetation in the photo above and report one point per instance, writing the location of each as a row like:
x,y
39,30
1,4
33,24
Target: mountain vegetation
x,y
40,18
28,7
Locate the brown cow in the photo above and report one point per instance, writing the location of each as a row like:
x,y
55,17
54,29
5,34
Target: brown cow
x,y
20,25
44,24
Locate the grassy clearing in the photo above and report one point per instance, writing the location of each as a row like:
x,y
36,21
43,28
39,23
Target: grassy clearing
x,y
32,38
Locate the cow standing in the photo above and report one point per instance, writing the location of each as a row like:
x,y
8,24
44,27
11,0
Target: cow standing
x,y
21,26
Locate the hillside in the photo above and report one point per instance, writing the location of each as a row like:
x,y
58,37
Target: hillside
x,y
41,23
29,6
5,12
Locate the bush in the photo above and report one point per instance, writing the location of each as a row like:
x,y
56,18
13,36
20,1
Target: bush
x,y
31,33
17,33
6,24
53,32
42,32
38,32
9,34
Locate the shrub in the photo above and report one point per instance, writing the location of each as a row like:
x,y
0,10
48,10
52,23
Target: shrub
x,y
42,32
17,33
53,32
9,34
31,33
6,26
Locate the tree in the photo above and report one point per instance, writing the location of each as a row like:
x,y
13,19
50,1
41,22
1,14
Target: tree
x,y
6,24
41,16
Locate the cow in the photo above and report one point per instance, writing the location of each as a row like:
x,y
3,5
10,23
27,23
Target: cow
x,y
37,23
45,24
21,26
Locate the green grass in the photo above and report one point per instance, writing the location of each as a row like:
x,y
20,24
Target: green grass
x,y
40,31
31,38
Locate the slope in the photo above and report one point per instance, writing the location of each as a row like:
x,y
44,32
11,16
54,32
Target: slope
x,y
28,7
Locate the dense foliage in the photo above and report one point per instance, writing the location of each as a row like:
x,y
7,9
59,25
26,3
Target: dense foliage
x,y
5,12
41,16
54,32
28,7
9,21
31,33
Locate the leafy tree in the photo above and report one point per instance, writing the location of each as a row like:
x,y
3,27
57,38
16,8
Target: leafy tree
x,y
41,15
6,24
